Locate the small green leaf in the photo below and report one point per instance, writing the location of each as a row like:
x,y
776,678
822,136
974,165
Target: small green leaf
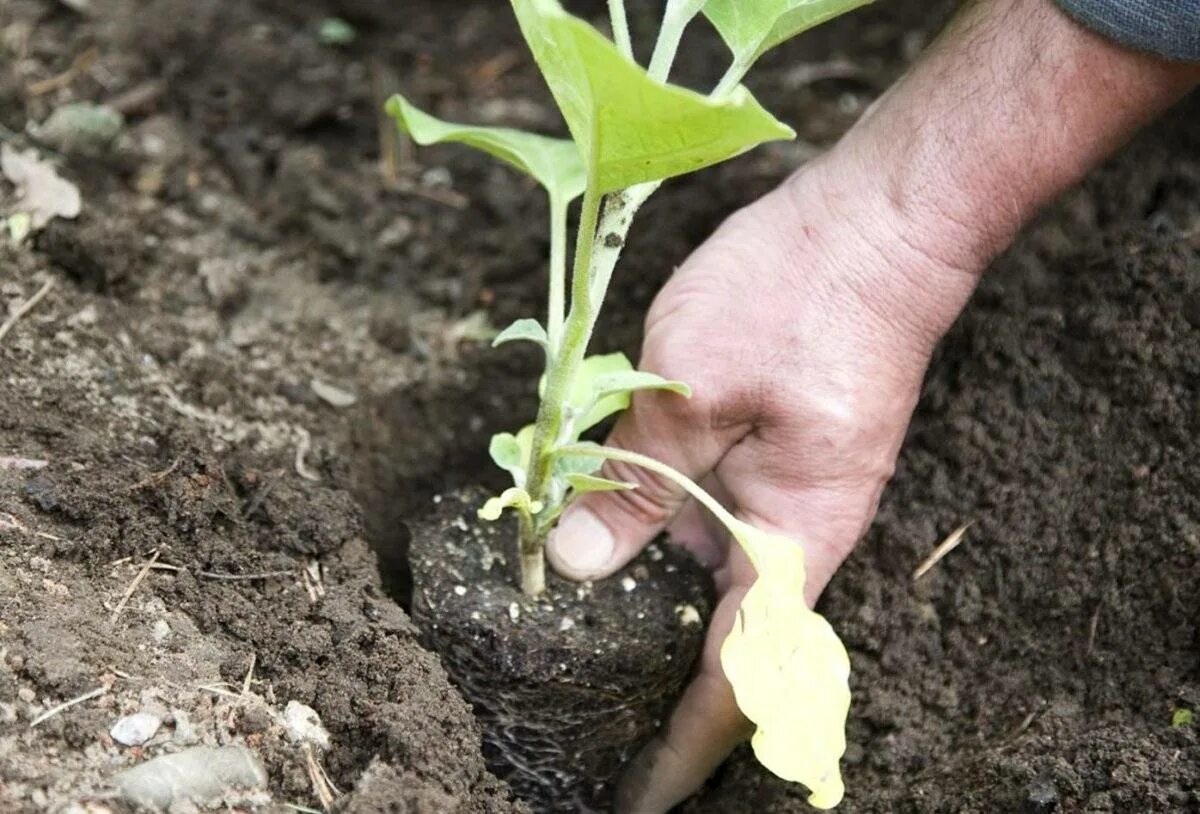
x,y
523,330
594,410
582,484
506,454
1182,717
513,498
566,465
511,453
555,163
752,27
634,380
631,128
335,31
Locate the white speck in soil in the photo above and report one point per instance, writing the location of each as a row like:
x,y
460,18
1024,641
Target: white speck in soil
x,y
437,499
514,611
136,729
460,590
628,583
476,616
26,694
641,615
461,524
160,630
688,615
566,624
583,591
655,552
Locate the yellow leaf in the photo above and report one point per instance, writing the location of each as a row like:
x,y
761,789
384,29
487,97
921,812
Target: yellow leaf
x,y
514,498
789,671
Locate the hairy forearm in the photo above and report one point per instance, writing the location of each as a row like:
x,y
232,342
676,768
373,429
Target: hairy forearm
x,y
1013,104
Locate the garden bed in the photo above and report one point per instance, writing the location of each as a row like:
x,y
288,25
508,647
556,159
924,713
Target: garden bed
x,y
260,361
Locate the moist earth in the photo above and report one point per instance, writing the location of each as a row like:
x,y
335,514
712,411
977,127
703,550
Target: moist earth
x,y
568,685
264,352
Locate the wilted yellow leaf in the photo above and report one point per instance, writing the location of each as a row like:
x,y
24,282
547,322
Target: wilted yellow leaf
x,y
789,671
514,498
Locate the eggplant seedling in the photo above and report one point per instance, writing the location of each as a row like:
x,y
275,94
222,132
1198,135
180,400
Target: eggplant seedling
x,y
631,129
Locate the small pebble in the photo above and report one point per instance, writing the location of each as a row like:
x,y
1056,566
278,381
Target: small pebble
x,y
200,774
514,611
136,729
304,725
460,590
566,624
26,694
628,584
688,615
160,630
1040,798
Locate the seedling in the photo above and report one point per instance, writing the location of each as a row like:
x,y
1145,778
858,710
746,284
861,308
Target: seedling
x,y
631,130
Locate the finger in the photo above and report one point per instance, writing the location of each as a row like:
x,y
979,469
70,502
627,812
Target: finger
x,y
827,518
603,531
704,728
696,530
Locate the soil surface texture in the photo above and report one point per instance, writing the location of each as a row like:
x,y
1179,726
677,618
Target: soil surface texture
x,y
263,353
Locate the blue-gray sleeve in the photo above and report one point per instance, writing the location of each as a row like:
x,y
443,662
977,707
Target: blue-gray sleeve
x,y
1170,28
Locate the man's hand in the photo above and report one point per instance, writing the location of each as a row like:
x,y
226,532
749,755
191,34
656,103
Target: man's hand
x,y
794,326
805,324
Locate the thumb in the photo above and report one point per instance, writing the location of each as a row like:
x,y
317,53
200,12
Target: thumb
x,y
603,531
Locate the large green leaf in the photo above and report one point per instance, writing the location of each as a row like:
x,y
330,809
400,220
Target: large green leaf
x,y
555,163
629,127
752,27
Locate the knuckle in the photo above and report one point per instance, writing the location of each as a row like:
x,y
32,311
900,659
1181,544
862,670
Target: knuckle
x,y
652,503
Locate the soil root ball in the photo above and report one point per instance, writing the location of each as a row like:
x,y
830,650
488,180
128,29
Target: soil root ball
x,y
568,686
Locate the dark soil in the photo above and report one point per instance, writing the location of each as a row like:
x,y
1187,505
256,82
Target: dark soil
x,y
241,249
568,686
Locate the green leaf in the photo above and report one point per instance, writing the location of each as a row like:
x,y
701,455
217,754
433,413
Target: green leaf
x,y
594,410
523,330
629,127
513,498
567,465
1182,717
511,453
634,380
582,484
555,163
752,27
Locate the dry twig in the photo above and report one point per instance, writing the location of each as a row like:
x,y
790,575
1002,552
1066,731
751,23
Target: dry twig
x,y
156,478
25,307
141,575
80,64
947,545
322,787
65,705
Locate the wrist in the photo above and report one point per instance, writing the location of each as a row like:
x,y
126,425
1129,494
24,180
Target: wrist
x,y
1012,104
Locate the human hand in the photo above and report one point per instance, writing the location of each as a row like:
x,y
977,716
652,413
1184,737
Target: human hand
x,y
797,327
805,324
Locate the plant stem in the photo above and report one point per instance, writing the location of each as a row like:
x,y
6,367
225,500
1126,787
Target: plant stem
x,y
620,27
532,563
558,272
676,18
659,468
560,375
732,78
